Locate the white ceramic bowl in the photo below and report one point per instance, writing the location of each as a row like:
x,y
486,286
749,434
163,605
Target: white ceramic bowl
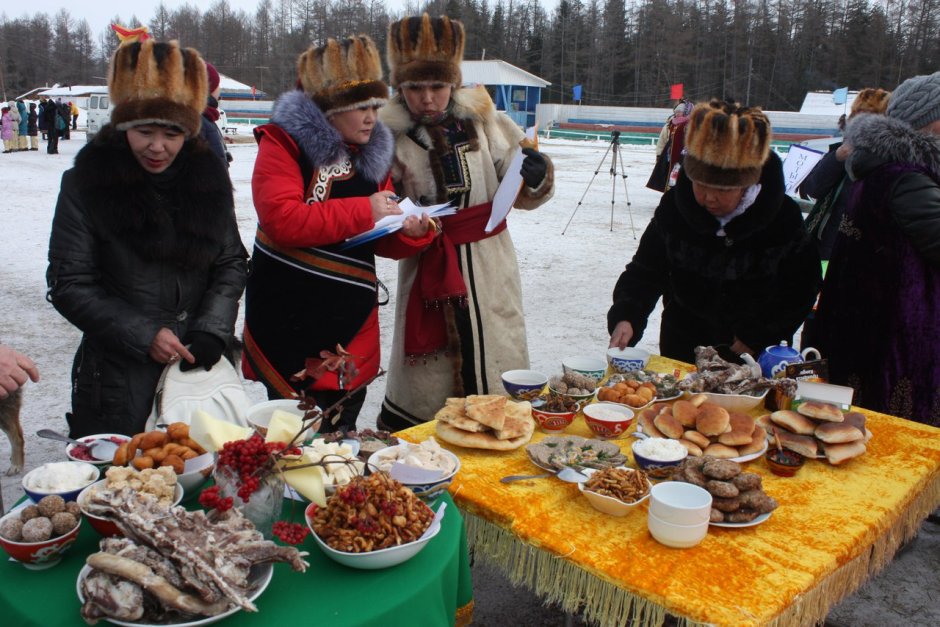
x,y
676,536
608,504
593,367
524,385
192,481
91,472
421,488
259,415
70,448
733,402
628,359
374,560
680,503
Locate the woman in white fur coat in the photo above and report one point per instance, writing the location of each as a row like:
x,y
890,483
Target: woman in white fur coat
x,y
459,321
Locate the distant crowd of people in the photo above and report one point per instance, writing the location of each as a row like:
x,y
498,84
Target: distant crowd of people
x,y
22,125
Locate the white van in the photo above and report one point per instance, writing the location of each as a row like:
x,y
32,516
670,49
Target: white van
x,y
98,114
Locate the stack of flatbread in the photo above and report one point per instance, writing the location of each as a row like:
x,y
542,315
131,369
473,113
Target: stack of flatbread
x,y
485,421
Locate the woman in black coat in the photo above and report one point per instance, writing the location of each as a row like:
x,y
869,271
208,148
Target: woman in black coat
x,y
726,248
145,256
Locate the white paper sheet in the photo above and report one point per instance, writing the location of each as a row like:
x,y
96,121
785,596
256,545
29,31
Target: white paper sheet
x,y
390,224
508,188
799,163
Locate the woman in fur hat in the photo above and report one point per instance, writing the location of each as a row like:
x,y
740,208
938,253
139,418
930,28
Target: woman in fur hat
x,y
145,256
458,321
879,312
321,177
726,248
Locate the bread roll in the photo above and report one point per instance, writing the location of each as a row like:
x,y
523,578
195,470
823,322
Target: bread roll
x,y
691,447
793,422
648,427
838,454
712,420
721,451
658,407
765,423
698,399
669,425
696,437
821,411
685,412
742,428
838,433
805,445
857,420
758,440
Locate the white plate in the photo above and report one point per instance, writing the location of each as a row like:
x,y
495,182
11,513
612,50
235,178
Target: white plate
x,y
259,578
743,458
753,523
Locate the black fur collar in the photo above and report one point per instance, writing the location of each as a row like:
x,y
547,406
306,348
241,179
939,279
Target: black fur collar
x,y
176,217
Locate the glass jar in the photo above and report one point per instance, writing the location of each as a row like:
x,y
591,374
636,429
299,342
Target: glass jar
x,y
264,504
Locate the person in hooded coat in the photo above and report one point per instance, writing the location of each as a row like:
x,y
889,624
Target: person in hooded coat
x,y
32,128
320,178
726,248
879,311
23,127
145,256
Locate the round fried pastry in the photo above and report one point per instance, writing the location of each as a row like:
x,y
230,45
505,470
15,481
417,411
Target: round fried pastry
x,y
685,412
712,420
721,451
698,399
691,447
694,436
758,440
669,425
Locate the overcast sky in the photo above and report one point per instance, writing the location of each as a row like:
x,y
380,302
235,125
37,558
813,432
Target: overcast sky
x,y
99,13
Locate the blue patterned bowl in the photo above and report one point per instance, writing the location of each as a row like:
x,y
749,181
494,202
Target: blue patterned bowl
x,y
524,385
628,359
593,367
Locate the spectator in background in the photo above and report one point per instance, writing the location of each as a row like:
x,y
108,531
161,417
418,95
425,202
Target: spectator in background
x,y
210,115
22,126
726,248
73,109
65,112
32,128
879,311
40,120
6,130
50,116
669,148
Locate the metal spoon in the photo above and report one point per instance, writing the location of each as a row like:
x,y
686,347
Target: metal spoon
x,y
567,473
102,450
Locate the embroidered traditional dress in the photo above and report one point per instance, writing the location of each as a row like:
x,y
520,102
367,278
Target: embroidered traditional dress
x,y
462,159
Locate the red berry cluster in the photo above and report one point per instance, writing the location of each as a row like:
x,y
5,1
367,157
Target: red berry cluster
x,y
245,458
353,495
366,525
390,508
210,499
291,533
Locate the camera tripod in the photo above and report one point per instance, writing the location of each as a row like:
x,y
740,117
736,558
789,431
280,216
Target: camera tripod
x,y
612,149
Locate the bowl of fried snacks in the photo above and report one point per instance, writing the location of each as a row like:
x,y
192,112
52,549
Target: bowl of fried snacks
x,y
372,522
615,491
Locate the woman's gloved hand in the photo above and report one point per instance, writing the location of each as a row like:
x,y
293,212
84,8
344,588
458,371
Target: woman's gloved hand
x,y
533,168
206,349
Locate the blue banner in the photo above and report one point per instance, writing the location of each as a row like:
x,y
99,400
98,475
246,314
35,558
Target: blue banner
x,y
576,92
839,96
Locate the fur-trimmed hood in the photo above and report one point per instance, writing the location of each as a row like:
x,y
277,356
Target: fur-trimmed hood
x,y
322,144
178,217
469,103
877,139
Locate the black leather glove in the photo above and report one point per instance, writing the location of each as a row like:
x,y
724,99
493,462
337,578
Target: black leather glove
x,y
534,167
205,347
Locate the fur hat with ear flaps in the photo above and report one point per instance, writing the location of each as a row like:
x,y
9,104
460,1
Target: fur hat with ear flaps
x,y
157,83
425,50
871,100
342,76
726,144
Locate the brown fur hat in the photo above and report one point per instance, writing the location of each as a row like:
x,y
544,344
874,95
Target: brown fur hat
x,y
726,144
342,76
871,100
425,50
152,82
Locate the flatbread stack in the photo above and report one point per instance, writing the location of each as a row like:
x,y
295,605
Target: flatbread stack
x,y
485,421
819,429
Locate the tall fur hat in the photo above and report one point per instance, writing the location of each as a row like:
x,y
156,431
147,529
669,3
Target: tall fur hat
x,y
726,144
871,100
425,50
157,83
342,76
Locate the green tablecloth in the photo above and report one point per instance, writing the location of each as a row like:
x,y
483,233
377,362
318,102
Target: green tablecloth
x,y
430,589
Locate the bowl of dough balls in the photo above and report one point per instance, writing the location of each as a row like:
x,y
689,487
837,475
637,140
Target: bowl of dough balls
x,y
37,535
573,386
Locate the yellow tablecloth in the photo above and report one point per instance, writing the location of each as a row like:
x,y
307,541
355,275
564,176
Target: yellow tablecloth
x,y
835,527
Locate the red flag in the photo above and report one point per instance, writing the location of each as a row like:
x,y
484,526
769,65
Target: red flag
x,y
675,91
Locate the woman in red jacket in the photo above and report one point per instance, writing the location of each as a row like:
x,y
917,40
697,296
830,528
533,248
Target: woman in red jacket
x,y
321,177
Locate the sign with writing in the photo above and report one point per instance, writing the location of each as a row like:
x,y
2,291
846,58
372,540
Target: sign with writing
x,y
799,163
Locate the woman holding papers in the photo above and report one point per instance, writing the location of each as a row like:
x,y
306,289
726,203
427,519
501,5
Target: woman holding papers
x,y
320,178
459,320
